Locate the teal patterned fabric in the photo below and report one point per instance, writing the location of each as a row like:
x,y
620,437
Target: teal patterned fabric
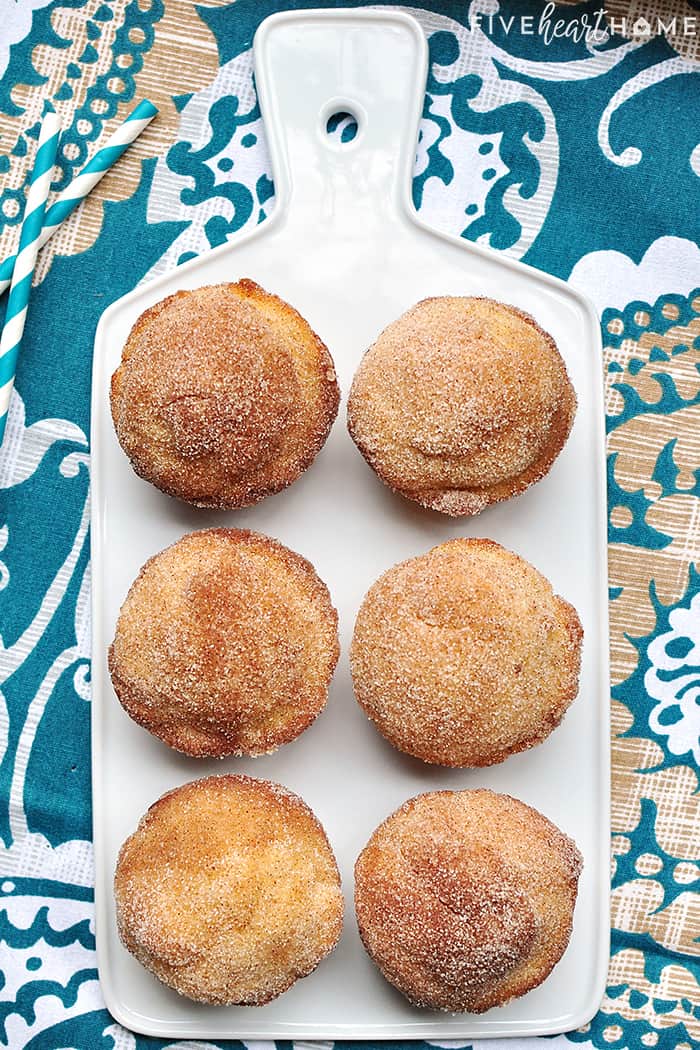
x,y
580,157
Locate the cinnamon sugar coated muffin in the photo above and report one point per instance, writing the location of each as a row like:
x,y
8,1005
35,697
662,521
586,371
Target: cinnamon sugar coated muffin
x,y
460,403
465,899
225,645
228,891
464,655
224,395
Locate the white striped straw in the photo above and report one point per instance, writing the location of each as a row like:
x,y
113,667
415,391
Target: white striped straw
x,y
18,299
87,179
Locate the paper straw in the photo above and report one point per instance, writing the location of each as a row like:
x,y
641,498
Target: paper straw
x,y
18,299
88,178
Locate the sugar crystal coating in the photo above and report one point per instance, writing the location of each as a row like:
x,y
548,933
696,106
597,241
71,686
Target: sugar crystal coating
x,y
224,395
464,655
228,891
465,899
225,645
460,403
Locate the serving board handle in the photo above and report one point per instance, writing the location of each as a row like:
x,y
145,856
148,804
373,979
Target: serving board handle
x,y
311,65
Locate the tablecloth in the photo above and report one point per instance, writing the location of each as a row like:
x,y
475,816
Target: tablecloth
x,y
578,153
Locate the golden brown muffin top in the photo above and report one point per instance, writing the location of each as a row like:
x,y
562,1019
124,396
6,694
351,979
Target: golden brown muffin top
x,y
464,655
465,898
224,394
461,402
226,644
228,891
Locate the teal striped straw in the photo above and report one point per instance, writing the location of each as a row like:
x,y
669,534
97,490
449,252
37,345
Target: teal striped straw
x,y
18,299
120,140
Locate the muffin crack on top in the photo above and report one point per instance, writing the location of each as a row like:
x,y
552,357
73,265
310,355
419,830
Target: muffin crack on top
x,y
460,403
224,395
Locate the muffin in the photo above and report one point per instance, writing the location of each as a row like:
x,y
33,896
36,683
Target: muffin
x,y
225,645
224,395
464,655
460,403
228,891
465,899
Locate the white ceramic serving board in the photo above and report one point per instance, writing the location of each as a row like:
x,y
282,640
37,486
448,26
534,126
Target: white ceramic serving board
x,y
346,248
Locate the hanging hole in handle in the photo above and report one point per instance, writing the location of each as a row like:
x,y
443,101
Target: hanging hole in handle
x,y
341,123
